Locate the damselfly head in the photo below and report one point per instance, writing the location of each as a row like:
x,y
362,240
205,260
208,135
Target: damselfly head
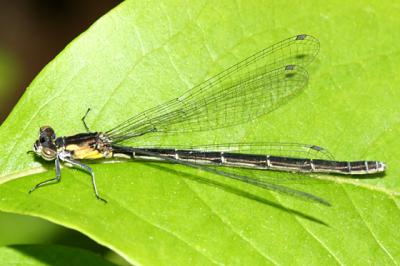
x,y
45,146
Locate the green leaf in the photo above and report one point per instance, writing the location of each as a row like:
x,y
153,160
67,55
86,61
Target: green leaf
x,y
48,255
142,54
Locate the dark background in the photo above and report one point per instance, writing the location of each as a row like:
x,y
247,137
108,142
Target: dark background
x,y
32,33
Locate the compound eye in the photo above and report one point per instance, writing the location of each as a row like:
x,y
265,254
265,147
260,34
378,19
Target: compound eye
x,y
46,133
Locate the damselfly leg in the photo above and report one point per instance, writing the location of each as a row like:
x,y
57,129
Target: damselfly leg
x,y
83,120
52,180
90,171
58,175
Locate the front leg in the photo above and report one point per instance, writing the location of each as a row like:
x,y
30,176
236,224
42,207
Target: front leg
x,y
50,181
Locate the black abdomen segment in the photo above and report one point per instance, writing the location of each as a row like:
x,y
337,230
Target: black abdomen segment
x,y
260,161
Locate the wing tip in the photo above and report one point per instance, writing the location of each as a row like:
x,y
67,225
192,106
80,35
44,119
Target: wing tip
x,y
301,36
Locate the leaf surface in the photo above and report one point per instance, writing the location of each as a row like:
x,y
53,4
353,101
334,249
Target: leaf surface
x,y
36,255
142,54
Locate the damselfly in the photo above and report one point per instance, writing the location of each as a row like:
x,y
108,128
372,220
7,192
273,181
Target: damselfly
x,y
245,91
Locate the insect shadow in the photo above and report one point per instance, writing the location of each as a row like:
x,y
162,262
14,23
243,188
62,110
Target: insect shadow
x,y
237,191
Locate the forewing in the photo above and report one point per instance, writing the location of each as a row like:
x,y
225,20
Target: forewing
x,y
239,94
